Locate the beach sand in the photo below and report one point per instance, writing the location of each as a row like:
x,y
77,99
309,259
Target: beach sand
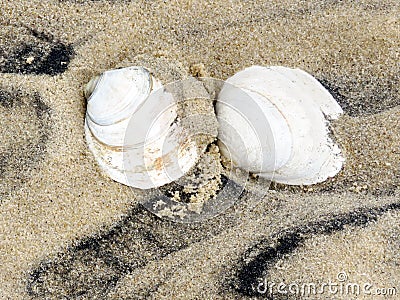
x,y
69,232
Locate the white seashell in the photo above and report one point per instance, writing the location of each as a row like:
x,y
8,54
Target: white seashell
x,y
130,128
274,123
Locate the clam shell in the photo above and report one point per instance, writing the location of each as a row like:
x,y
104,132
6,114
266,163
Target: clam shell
x,y
274,122
132,131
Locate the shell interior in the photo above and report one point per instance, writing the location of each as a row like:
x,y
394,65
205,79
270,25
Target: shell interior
x,y
285,113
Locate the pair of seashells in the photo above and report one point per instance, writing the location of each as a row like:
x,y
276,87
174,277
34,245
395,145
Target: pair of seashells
x,y
272,122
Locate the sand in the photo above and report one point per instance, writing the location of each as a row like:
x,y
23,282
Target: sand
x,y
69,232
